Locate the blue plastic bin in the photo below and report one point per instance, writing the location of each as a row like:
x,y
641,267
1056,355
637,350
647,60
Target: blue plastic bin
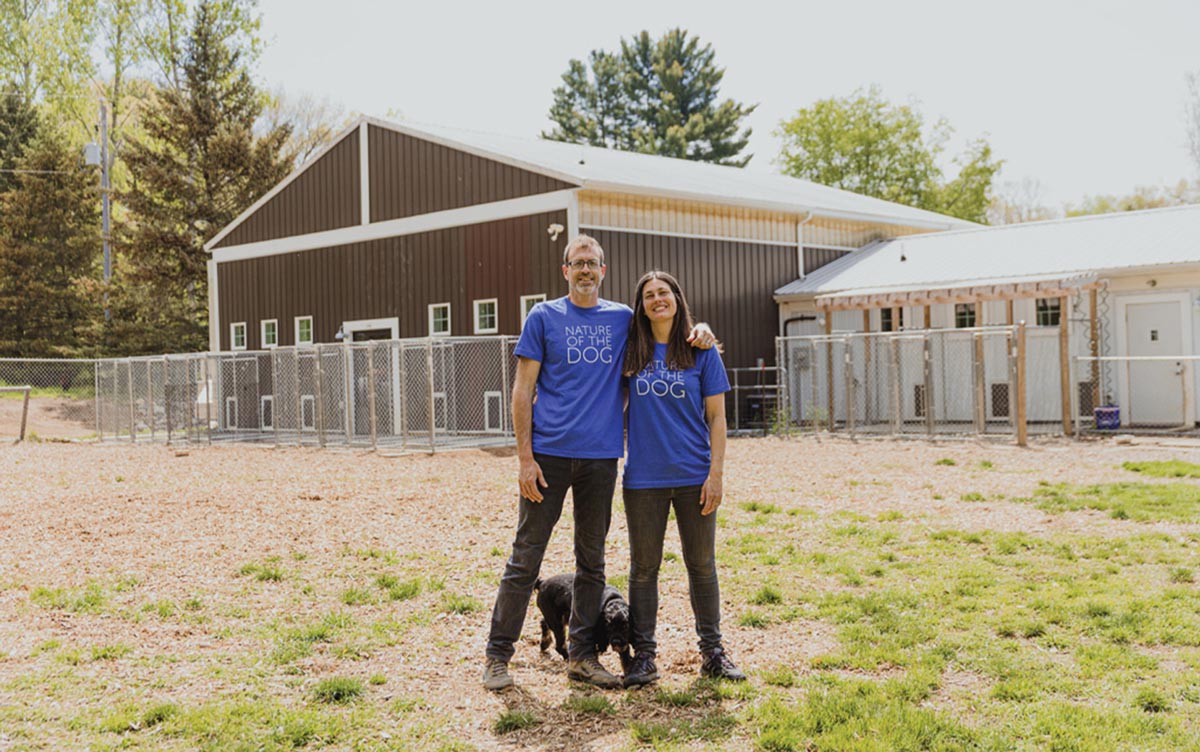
x,y
1108,417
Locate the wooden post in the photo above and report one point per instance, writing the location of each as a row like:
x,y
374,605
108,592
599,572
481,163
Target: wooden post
x,y
980,392
1094,344
928,351
1022,428
829,365
928,317
1064,361
897,395
24,412
868,392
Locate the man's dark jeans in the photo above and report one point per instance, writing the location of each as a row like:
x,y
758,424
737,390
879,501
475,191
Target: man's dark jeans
x,y
646,512
591,483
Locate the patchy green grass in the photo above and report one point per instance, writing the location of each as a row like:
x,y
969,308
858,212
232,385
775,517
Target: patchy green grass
x,y
589,704
1165,469
338,690
515,720
1142,502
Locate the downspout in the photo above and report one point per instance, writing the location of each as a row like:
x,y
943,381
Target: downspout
x,y
783,329
800,246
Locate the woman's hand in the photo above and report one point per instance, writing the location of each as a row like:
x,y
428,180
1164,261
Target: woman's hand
x,y
710,494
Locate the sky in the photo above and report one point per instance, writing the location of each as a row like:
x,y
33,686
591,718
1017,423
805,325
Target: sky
x,y
1083,98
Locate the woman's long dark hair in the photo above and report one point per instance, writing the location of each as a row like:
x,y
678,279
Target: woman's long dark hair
x,y
640,349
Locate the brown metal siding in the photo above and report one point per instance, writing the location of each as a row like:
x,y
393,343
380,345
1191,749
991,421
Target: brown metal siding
x,y
815,258
326,196
728,284
411,176
396,277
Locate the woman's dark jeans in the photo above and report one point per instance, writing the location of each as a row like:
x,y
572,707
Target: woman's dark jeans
x,y
591,483
646,511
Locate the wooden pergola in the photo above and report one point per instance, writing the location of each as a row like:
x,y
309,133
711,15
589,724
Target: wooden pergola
x,y
974,293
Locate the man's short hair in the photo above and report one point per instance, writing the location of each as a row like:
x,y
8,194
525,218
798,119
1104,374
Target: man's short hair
x,y
583,241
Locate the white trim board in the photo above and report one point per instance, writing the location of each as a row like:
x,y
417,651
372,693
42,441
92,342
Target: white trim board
x,y
467,215
366,325
364,174
786,245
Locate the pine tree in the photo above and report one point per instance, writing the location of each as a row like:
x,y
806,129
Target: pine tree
x,y
18,126
48,244
655,96
199,164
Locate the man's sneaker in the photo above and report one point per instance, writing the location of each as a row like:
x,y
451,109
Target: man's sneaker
x,y
589,670
718,666
495,675
642,670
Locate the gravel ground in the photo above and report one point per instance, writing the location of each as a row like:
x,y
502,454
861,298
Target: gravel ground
x,y
181,522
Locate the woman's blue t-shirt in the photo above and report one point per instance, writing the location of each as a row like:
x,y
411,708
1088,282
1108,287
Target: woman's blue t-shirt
x,y
579,406
668,434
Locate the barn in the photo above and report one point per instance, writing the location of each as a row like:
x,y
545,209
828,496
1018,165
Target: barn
x,y
400,231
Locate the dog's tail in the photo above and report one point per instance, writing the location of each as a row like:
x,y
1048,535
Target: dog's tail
x,y
537,585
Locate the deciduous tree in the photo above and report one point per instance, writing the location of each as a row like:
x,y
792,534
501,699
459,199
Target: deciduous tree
x,y
865,144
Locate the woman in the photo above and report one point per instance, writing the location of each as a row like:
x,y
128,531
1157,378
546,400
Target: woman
x,y
676,457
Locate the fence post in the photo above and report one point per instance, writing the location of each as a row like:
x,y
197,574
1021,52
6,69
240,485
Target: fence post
x,y
1064,364
24,414
897,394
347,389
274,395
737,403
150,398
1022,428
96,388
432,405
320,406
208,396
847,364
781,391
132,411
505,388
371,393
980,392
403,398
928,352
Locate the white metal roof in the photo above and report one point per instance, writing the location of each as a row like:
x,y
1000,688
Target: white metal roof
x,y
619,171
1103,243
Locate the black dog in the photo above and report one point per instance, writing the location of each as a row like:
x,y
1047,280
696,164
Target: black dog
x,y
554,601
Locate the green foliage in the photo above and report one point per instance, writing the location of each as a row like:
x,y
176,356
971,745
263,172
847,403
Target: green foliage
x,y
515,720
656,96
865,144
1177,502
48,238
1143,197
767,595
589,704
1164,469
460,604
338,690
197,165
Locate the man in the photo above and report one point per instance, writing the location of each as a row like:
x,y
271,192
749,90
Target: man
x,y
571,349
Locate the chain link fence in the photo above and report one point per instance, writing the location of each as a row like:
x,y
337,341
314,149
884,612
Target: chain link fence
x,y
62,398
949,382
419,395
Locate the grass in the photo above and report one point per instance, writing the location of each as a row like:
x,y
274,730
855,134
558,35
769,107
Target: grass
x,y
1141,502
515,720
338,690
1165,469
589,704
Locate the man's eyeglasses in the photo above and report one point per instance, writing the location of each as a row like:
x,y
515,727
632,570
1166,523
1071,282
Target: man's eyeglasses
x,y
581,264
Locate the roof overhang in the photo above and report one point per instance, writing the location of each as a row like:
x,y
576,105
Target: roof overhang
x,y
970,291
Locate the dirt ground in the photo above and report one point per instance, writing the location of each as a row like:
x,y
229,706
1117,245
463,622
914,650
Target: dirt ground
x,y
48,418
181,522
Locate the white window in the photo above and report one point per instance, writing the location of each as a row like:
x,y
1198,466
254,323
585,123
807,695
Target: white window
x,y
270,333
527,304
304,330
237,336
486,316
439,319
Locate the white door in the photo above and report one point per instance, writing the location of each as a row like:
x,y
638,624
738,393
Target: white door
x,y
1156,386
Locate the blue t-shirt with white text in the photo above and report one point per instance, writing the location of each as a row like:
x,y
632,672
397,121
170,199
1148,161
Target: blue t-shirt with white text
x,y
578,412
668,434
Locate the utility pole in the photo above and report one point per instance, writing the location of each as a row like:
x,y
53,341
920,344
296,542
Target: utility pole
x,y
105,206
